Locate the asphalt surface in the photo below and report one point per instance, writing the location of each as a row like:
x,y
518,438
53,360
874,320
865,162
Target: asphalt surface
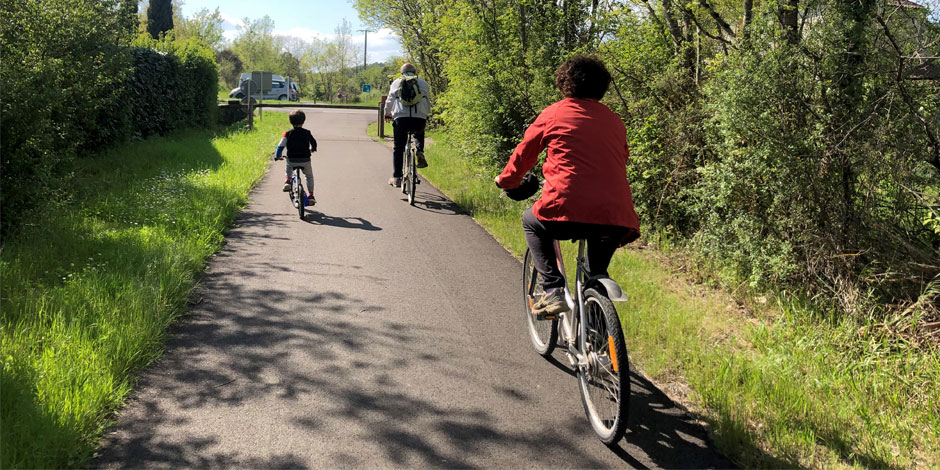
x,y
371,334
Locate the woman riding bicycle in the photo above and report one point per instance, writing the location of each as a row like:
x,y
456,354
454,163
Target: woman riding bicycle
x,y
586,193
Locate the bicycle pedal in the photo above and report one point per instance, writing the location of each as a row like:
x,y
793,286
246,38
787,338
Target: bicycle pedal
x,y
548,316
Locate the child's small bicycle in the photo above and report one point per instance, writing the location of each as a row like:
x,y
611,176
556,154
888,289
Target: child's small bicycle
x,y
298,196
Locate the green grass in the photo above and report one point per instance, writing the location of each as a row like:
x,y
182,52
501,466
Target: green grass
x,y
783,388
368,104
91,284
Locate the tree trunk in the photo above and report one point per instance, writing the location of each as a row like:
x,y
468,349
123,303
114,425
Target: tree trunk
x,y
789,16
748,16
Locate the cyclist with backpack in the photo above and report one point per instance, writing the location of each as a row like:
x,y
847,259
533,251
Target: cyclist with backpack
x,y
409,105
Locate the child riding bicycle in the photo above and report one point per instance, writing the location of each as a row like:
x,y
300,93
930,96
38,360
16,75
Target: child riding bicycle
x,y
586,193
299,143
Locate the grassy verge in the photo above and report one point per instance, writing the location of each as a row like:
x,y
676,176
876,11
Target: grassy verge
x,y
92,283
783,387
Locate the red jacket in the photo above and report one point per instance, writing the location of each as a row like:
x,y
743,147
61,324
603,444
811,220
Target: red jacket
x,y
586,168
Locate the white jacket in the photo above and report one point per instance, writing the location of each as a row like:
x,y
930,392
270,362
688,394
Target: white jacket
x,y
394,107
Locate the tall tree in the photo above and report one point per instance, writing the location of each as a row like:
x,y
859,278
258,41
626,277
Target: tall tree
x,y
257,45
230,67
204,25
159,17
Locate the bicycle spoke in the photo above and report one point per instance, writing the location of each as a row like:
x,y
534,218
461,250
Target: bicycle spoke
x,y
602,386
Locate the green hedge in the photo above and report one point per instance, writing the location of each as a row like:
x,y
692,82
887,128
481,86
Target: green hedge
x,y
173,85
84,87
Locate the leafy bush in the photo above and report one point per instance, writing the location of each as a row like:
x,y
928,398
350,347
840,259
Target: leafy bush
x,y
72,83
792,144
62,63
174,85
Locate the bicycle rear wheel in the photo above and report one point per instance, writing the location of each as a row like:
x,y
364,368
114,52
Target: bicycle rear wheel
x,y
543,333
605,382
405,173
413,178
292,191
299,191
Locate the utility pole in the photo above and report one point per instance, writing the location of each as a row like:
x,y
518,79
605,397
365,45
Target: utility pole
x,y
365,49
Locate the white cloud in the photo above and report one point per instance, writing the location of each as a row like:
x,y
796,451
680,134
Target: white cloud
x,y
382,43
230,26
230,22
304,33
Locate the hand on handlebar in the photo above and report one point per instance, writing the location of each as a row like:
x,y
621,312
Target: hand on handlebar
x,y
527,188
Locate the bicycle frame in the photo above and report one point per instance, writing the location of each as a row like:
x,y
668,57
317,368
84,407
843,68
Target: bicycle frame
x,y
573,319
577,352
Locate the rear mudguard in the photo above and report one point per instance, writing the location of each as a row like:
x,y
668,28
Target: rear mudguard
x,y
607,286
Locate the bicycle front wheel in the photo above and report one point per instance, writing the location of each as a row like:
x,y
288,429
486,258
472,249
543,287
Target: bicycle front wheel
x,y
605,382
543,333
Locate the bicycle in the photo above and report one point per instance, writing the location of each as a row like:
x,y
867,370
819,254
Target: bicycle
x,y
593,337
298,196
409,171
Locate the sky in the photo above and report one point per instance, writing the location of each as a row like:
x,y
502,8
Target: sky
x,y
305,19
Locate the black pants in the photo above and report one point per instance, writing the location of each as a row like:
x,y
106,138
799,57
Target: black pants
x,y
401,127
602,241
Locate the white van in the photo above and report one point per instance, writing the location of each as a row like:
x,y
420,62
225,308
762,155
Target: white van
x,y
278,91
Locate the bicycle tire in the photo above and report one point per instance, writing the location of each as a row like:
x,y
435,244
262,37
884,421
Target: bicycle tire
x,y
292,192
413,171
542,333
300,194
404,173
605,383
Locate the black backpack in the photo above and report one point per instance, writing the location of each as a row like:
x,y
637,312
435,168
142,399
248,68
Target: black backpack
x,y
409,93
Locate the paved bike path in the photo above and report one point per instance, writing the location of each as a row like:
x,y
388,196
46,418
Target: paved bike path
x,y
370,334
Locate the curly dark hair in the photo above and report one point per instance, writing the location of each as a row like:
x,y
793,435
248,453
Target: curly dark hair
x,y
297,117
582,76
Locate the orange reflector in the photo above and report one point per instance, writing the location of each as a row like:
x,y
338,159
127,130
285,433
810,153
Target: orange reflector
x,y
531,302
613,353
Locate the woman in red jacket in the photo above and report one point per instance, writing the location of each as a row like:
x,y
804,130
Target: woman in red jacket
x,y
586,192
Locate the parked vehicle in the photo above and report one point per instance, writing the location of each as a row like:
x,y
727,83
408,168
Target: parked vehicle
x,y
278,90
294,92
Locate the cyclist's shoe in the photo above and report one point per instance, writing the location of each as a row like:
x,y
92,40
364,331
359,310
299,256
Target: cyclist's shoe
x,y
286,187
549,305
396,182
311,201
422,163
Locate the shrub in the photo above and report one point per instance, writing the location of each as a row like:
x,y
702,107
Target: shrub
x,y
84,87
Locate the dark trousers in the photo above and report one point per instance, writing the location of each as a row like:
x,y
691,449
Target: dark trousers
x,y
602,241
401,127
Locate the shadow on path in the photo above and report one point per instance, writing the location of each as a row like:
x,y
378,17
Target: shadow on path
x,y
433,203
666,433
319,218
